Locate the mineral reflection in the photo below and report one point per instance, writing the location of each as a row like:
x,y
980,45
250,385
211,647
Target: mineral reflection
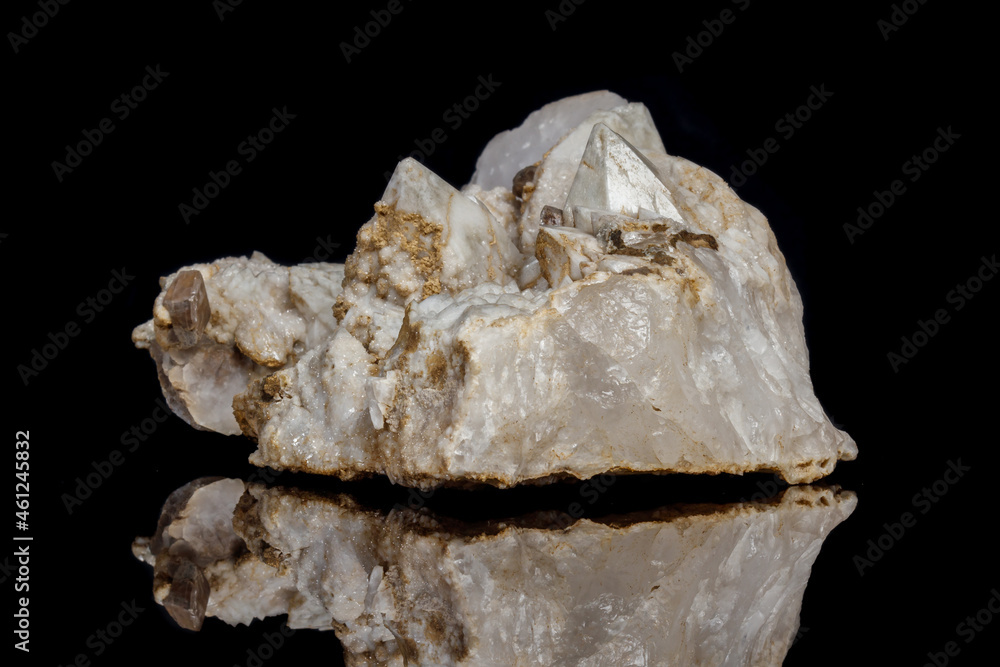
x,y
684,584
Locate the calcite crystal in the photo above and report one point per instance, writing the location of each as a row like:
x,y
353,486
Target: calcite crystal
x,y
588,303
688,585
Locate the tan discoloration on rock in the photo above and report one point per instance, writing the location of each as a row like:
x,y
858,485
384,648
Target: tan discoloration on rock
x,y
247,524
437,368
695,240
274,386
411,233
545,248
340,308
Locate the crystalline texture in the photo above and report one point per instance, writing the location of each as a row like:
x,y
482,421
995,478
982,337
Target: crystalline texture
x,y
187,302
194,534
693,585
188,597
616,309
427,238
263,317
509,151
614,176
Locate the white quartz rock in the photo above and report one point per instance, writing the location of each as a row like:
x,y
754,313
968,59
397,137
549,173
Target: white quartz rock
x,y
694,585
620,309
263,316
320,404
655,345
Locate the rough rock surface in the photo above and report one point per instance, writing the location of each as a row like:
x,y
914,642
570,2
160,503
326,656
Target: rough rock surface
x,y
693,585
262,317
611,308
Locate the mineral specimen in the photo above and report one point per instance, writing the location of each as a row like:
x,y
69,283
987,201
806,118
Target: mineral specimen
x,y
251,316
588,303
689,585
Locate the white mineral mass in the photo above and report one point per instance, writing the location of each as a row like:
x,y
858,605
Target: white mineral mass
x,y
587,304
684,585
260,317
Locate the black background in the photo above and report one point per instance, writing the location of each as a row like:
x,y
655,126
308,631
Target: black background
x,y
118,210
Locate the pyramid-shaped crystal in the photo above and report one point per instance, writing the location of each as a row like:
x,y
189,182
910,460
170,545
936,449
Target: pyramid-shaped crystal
x,y
614,176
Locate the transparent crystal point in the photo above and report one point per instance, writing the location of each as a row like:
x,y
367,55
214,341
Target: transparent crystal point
x,y
614,176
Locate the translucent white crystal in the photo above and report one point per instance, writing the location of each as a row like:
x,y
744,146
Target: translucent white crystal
x,y
698,585
613,176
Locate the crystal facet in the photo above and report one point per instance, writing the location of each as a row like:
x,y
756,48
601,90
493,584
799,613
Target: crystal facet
x,y
187,302
188,596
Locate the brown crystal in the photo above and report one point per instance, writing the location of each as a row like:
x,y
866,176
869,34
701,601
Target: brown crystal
x,y
696,240
552,216
187,301
188,597
523,180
